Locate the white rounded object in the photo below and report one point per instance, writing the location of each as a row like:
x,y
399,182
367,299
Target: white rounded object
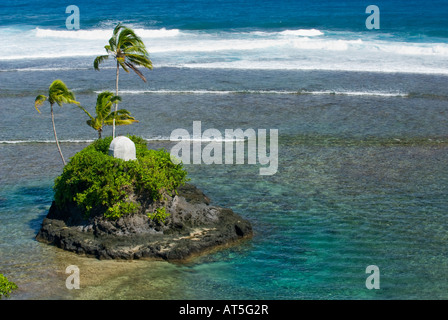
x,y
122,148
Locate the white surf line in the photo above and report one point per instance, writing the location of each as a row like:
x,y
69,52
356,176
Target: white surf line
x,y
224,92
43,141
159,138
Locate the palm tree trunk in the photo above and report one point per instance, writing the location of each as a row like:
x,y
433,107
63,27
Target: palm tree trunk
x,y
116,104
99,133
56,136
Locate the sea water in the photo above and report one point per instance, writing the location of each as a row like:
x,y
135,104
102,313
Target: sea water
x,y
363,142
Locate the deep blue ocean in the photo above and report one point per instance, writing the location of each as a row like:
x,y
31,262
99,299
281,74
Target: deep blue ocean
x,y
362,117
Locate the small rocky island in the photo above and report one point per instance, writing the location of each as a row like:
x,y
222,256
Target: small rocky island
x,y
188,225
193,226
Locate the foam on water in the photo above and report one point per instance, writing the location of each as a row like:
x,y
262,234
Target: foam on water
x,y
291,49
102,34
274,92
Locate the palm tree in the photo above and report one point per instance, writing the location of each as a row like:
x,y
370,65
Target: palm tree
x,y
57,93
104,116
129,51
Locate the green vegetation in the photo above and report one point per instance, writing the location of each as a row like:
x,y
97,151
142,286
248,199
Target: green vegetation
x,y
101,184
129,51
104,116
6,286
159,215
57,93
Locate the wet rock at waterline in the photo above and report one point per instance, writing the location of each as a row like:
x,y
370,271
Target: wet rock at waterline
x,y
192,227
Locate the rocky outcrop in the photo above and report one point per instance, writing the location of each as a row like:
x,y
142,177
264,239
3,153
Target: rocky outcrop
x,y
193,226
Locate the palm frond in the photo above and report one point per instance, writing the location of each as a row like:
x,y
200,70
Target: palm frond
x,y
122,63
59,93
88,114
117,113
122,117
140,60
123,111
115,99
136,49
104,116
124,122
40,99
112,46
104,103
128,38
117,29
92,122
138,72
98,60
95,124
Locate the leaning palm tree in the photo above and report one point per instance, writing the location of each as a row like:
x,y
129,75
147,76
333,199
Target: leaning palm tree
x,y
129,51
104,116
57,93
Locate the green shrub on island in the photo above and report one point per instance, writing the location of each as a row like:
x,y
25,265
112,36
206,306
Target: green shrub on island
x,y
6,286
101,184
159,215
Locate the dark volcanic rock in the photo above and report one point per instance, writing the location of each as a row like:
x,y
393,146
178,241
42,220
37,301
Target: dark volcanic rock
x,y
192,227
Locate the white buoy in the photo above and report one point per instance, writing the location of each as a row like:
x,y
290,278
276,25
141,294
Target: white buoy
x,y
122,148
